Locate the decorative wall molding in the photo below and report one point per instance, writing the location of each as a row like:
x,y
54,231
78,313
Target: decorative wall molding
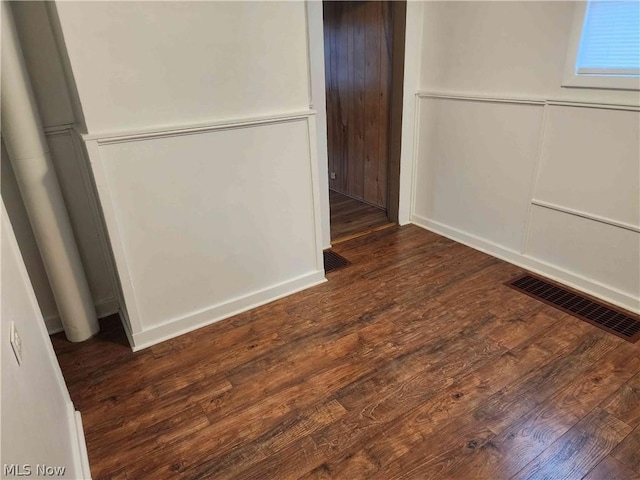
x,y
481,98
224,310
604,106
536,176
80,454
588,216
58,129
560,275
521,258
141,334
104,138
523,100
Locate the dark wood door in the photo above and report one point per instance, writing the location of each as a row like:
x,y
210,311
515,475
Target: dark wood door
x,y
358,47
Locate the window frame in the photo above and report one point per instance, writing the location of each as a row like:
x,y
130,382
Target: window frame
x,y
571,79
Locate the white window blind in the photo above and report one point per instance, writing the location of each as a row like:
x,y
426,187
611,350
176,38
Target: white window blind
x,y
610,43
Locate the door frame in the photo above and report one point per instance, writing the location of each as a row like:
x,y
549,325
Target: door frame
x,y
407,22
399,22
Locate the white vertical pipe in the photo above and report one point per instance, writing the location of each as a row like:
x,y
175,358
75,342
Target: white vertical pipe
x,y
29,154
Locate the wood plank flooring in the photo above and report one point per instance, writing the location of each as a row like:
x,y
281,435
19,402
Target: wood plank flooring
x,y
351,218
414,362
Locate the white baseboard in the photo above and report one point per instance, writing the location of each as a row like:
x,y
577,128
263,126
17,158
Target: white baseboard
x,y
107,307
178,327
53,324
81,469
82,447
103,309
579,282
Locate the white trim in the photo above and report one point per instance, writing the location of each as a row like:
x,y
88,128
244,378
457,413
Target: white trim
x,y
524,100
82,163
107,307
130,305
603,106
104,308
80,455
588,216
475,97
53,324
126,325
308,56
560,275
414,157
634,72
104,138
224,310
535,177
138,336
315,46
315,190
602,82
570,79
409,136
57,129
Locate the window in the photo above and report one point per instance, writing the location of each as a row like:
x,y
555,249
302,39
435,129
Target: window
x,y
604,51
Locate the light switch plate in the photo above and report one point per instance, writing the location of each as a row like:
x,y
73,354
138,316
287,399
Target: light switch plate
x,y
16,343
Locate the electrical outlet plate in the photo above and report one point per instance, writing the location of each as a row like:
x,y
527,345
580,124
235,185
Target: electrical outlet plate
x,y
16,343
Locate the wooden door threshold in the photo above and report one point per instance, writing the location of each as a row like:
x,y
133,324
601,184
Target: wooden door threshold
x,y
361,234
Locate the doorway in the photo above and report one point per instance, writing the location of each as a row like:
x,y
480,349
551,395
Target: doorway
x,y
364,63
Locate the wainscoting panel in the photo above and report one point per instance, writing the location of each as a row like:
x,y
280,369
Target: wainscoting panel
x,y
591,162
595,250
552,186
210,221
475,162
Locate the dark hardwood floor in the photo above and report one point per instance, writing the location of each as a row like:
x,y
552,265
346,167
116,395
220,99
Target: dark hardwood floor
x,y
413,362
351,218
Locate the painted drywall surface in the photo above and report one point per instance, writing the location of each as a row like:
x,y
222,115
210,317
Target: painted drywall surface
x,y
204,152
38,425
594,250
171,63
502,49
590,162
221,222
456,188
477,57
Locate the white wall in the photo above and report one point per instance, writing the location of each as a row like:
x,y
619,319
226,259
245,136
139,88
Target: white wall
x,y
510,162
49,84
171,63
204,151
502,49
39,423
